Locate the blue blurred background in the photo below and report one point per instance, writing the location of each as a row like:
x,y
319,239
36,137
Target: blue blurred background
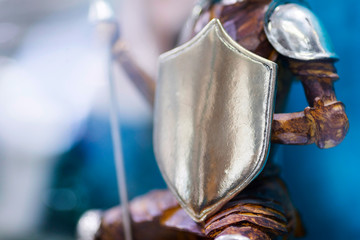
x,y
325,184
56,157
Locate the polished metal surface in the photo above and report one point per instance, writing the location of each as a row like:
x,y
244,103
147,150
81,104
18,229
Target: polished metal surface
x,y
230,2
295,32
232,237
88,225
213,113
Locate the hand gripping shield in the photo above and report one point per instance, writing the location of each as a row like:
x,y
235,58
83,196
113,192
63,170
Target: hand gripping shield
x,y
213,112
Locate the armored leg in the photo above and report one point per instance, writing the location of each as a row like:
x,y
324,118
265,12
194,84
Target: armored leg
x,y
149,214
262,211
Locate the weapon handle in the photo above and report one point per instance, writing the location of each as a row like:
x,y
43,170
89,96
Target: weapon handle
x,y
292,128
143,82
287,128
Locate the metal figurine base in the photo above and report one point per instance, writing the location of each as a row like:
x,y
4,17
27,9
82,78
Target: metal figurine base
x,y
263,210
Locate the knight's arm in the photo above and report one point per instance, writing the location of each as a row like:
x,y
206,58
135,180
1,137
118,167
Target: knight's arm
x,y
325,121
296,33
326,113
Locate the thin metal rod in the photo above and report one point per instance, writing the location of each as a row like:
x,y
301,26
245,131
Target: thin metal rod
x,y
101,12
118,155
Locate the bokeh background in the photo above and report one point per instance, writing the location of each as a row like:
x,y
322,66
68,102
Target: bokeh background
x,y
56,157
324,184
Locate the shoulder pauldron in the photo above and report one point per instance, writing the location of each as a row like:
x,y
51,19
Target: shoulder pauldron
x,y
295,32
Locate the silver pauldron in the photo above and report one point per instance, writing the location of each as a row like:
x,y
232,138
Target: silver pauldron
x,y
295,32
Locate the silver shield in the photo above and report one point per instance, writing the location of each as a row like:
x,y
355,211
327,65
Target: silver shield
x,y
213,113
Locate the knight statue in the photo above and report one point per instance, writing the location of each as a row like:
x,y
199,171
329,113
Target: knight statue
x,y
218,120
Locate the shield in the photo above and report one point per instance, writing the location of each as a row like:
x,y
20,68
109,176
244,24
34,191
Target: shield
x,y
212,124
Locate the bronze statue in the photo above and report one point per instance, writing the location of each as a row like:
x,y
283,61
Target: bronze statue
x,y
285,32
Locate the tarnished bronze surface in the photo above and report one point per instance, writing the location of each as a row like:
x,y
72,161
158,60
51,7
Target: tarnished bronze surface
x,y
262,211
148,216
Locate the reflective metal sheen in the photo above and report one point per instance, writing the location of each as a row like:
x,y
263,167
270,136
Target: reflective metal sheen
x,y
232,237
295,32
88,225
213,112
230,2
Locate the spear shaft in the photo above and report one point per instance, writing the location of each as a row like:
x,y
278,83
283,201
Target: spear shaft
x,y
102,13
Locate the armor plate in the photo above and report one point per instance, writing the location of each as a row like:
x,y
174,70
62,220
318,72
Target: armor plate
x,y
295,32
213,113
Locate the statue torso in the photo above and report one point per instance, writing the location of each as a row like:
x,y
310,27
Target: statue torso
x,y
244,22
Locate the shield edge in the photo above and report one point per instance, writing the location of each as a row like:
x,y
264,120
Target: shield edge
x,y
272,66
